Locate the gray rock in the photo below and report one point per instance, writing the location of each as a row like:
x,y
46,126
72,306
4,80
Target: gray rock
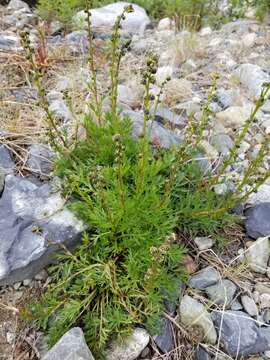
x,y
206,277
249,305
234,116
222,293
261,196
17,5
103,19
20,18
258,220
236,305
40,159
159,135
33,223
6,162
240,334
252,77
165,338
2,180
202,354
257,255
165,115
225,98
9,41
222,142
193,314
71,346
131,348
77,41
204,243
58,107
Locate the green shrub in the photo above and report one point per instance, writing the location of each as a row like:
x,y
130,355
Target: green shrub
x,y
135,199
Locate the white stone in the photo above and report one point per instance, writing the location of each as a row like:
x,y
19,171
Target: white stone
x,y
206,31
249,305
252,77
233,117
131,348
257,255
265,301
103,18
249,40
163,73
194,314
165,24
17,5
204,243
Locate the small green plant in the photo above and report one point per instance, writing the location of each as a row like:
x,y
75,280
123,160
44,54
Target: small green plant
x,y
134,198
60,10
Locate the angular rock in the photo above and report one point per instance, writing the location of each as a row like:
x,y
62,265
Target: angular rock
x,y
233,116
165,339
206,277
240,334
131,348
77,41
71,346
9,41
159,135
225,98
58,107
261,196
2,180
249,305
257,255
39,159
164,115
204,243
103,19
252,77
265,301
194,315
34,222
202,354
222,142
6,162
222,293
17,5
262,288
258,220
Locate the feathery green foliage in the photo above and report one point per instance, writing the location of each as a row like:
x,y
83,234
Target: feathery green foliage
x,y
134,199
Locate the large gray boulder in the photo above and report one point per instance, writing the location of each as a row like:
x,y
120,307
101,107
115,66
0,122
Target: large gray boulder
x,y
240,334
103,19
34,222
71,346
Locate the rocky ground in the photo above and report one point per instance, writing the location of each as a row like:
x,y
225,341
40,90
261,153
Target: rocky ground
x,y
224,310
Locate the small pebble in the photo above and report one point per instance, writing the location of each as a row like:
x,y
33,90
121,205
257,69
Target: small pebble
x,y
17,285
27,282
43,275
204,243
249,305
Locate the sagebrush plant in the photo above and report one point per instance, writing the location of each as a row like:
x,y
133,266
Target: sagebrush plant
x,y
134,198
